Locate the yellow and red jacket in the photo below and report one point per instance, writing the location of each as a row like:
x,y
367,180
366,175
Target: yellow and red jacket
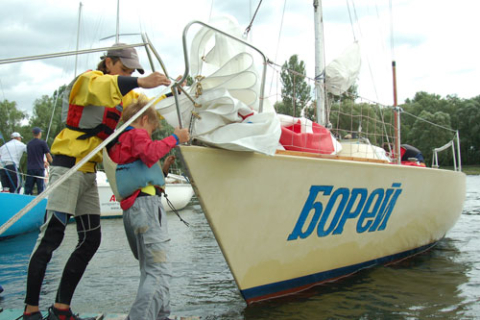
x,y
95,104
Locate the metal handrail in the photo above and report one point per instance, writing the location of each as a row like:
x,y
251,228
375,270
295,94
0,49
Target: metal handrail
x,y
455,156
187,65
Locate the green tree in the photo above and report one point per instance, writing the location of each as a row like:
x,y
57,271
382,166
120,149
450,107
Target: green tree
x,y
10,119
451,112
47,114
468,119
295,91
164,131
427,137
361,120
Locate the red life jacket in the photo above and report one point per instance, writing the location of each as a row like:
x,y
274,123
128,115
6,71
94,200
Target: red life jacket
x,y
97,121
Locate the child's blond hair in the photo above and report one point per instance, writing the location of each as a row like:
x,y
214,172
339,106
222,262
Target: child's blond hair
x,y
137,106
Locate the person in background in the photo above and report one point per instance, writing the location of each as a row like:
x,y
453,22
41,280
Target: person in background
x,y
140,184
37,150
10,155
93,104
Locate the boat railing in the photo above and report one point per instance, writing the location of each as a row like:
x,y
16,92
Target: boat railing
x,y
456,155
187,64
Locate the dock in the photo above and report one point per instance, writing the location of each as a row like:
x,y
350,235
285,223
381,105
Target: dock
x,y
13,314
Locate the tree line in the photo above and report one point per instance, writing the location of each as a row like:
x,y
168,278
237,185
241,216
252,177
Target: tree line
x,y
427,120
47,115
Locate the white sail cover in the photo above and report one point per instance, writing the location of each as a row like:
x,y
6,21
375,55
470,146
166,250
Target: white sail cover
x,y
342,72
228,95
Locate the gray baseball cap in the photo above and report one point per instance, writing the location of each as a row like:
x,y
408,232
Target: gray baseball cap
x,y
128,56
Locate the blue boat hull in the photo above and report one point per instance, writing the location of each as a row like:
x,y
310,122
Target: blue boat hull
x,y
12,203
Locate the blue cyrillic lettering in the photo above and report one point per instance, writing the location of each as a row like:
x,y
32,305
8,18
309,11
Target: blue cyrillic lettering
x,y
373,210
377,196
309,205
345,193
387,207
348,213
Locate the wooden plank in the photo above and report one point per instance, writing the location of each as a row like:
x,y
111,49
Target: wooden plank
x,y
13,314
124,316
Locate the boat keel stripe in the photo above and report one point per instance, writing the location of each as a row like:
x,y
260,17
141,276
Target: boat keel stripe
x,y
283,288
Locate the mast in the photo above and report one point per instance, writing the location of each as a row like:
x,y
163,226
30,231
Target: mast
x,y
319,63
396,112
117,34
78,36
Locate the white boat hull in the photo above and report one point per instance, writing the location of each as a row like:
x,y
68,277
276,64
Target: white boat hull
x,y
179,194
285,223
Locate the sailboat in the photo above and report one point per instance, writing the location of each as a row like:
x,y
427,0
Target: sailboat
x,y
179,193
290,217
14,202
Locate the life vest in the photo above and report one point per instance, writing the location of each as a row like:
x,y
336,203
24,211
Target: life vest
x,y
97,121
125,179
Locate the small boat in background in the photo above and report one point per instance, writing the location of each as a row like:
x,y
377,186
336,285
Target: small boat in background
x,y
31,221
178,190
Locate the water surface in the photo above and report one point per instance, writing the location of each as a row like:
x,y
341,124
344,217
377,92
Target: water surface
x,y
443,283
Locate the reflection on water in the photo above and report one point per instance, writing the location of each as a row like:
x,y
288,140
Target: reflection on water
x,y
443,283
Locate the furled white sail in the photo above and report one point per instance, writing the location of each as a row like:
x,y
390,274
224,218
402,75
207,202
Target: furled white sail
x,y
342,72
227,91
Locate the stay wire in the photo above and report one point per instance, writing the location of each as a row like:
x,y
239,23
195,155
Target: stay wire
x,y
351,20
278,41
247,30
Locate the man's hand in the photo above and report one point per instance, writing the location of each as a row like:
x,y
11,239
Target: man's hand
x,y
153,80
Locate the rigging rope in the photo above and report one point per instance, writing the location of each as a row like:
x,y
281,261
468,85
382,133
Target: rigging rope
x,y
170,204
53,114
211,10
351,21
278,41
429,122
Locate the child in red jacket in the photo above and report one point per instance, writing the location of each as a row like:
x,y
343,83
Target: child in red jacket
x,y
139,180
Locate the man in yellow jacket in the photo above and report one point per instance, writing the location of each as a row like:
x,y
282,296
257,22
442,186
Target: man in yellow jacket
x,y
92,107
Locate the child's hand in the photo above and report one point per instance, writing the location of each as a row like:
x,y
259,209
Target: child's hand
x,y
169,161
182,134
184,83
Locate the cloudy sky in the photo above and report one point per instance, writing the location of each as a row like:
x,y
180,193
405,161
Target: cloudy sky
x,y
434,44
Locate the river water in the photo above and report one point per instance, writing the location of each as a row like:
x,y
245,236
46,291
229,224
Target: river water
x,y
443,283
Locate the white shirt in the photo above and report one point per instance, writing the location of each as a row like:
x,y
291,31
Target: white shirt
x,y
12,151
